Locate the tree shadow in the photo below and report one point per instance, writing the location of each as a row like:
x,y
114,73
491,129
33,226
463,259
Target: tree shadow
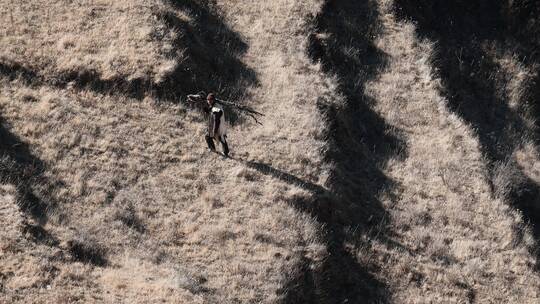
x,y
78,80
21,168
466,33
211,51
39,235
339,278
207,51
359,142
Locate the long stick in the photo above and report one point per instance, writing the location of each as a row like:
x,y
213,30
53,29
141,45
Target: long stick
x,y
250,112
240,107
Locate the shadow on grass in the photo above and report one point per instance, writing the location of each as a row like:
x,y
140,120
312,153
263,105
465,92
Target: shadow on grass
x,y
39,235
339,278
18,166
21,168
87,250
359,143
211,50
207,51
284,176
468,33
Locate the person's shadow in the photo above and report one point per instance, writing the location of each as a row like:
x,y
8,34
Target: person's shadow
x,y
339,277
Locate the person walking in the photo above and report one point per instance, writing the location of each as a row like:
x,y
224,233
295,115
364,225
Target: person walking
x,y
217,125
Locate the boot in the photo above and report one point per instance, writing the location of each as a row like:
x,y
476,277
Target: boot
x,y
210,143
224,144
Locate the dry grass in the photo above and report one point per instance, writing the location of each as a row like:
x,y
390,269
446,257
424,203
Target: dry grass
x,y
136,210
144,160
461,242
139,193
116,39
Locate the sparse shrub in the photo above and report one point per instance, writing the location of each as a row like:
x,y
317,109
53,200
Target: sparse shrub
x,y
86,249
189,281
29,98
128,216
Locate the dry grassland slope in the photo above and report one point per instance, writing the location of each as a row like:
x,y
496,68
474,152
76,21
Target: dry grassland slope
x,y
372,180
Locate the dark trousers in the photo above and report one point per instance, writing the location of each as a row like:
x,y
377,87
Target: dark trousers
x,y
221,139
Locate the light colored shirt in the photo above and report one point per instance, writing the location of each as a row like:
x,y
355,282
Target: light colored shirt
x,y
217,115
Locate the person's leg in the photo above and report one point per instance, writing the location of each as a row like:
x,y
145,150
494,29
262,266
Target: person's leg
x,y
223,140
210,143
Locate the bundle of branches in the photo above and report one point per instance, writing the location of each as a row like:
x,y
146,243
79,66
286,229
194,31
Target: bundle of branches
x,y
242,108
245,109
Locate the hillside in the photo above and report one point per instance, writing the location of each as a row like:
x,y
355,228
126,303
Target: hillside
x,y
397,161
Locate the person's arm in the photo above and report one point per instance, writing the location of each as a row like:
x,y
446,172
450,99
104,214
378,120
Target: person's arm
x,y
194,97
198,99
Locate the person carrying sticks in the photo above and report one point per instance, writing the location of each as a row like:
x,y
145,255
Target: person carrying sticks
x,y
217,125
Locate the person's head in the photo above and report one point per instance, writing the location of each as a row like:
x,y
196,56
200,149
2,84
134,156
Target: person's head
x,y
211,99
